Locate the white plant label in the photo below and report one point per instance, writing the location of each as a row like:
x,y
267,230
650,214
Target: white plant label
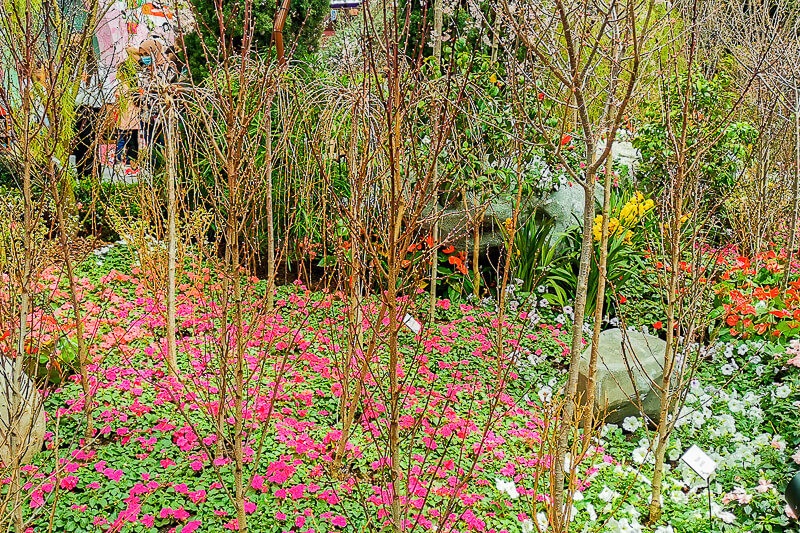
x,y
412,324
699,461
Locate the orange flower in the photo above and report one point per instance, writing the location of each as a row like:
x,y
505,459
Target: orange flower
x,y
458,262
450,249
732,320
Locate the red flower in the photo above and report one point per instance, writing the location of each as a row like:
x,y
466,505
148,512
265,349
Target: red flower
x,y
566,139
658,325
450,249
622,299
732,320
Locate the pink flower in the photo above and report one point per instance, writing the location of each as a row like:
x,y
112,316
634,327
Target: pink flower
x,y
94,485
233,525
280,516
339,521
763,486
37,499
279,472
191,526
796,456
297,491
196,465
249,507
114,475
148,520
68,482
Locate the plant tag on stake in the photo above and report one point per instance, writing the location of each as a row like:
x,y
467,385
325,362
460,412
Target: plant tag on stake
x,y
700,462
412,324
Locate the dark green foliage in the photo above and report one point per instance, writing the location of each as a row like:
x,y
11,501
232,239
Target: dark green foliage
x,y
302,31
713,135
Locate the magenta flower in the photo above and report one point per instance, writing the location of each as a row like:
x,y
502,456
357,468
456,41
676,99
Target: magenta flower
x,y
339,521
191,526
68,482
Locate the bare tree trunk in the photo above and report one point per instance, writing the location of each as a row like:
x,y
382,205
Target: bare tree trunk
x,y
83,357
559,504
669,351
15,438
438,23
602,267
172,349
795,192
270,218
238,397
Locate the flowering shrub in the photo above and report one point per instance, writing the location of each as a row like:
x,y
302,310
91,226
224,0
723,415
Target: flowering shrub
x,y
750,302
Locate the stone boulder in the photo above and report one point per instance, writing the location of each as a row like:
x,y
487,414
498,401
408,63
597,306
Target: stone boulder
x,y
628,368
565,206
30,417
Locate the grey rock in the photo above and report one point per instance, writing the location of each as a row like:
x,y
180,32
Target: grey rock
x,y
630,368
565,206
30,418
623,153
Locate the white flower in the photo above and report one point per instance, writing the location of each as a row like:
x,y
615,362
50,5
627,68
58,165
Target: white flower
x,y
541,519
541,289
624,526
543,302
742,349
546,394
509,487
664,529
608,495
736,406
640,454
591,511
783,391
608,428
560,318
567,309
679,497
631,423
527,526
727,369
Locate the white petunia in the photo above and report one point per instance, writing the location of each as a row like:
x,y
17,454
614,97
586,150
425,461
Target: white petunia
x,y
727,369
608,495
679,497
631,423
736,406
640,454
783,391
742,349
509,487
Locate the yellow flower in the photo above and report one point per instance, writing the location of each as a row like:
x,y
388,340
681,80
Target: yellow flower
x,y
492,79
